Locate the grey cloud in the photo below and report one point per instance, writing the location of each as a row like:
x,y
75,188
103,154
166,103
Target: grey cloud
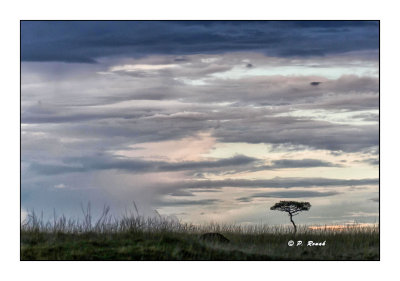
x,y
270,183
372,117
199,109
259,127
206,190
85,164
302,131
181,193
302,163
264,90
289,194
244,199
350,102
180,59
336,153
55,117
48,169
193,71
281,164
280,90
234,161
74,115
371,161
237,163
186,202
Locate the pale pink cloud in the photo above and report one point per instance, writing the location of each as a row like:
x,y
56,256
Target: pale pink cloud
x,y
186,149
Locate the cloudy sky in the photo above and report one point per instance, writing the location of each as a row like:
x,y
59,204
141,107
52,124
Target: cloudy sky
x,y
202,121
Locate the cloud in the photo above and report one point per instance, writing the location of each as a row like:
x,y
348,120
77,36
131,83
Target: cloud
x,y
86,41
177,203
181,193
159,110
289,194
301,163
244,199
285,90
372,117
281,164
302,131
85,164
269,183
371,161
260,125
142,67
236,163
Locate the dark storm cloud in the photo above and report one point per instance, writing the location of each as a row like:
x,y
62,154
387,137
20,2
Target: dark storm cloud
x,y
288,194
84,42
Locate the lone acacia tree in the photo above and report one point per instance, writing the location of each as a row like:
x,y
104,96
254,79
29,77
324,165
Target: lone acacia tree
x,y
293,208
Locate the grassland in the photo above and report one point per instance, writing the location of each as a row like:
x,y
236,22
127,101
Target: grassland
x,y
133,237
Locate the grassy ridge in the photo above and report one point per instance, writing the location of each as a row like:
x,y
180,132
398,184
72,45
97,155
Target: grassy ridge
x,y
138,238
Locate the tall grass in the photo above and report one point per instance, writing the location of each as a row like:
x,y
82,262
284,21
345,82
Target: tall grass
x,y
134,222
132,236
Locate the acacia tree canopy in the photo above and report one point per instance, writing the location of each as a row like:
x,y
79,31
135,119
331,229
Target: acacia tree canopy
x,y
292,208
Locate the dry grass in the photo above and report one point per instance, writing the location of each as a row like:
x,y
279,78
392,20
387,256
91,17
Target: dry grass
x,y
135,237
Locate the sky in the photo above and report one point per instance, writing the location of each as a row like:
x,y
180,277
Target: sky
x,y
210,121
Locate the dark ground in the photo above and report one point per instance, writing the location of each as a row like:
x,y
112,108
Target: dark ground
x,y
40,245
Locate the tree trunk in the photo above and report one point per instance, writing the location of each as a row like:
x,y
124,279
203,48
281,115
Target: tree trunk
x,y
295,228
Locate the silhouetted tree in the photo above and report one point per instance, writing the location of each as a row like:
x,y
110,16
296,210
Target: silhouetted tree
x,y
293,208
